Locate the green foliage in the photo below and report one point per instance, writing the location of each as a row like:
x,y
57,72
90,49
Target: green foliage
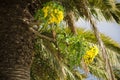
x,y
113,50
72,47
44,64
56,60
109,43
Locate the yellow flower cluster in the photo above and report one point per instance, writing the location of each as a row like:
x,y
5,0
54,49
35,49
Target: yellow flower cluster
x,y
90,55
53,14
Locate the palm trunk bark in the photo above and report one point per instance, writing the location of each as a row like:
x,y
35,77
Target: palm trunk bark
x,y
16,41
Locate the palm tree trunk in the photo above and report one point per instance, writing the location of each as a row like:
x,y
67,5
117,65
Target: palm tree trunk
x,y
16,41
70,19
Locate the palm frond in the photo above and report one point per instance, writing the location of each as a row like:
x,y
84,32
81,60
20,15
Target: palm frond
x,y
106,8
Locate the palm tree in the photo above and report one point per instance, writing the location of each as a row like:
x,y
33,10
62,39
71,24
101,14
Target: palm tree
x,y
16,47
16,40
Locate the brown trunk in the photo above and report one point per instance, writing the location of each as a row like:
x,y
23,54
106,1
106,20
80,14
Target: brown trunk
x,y
16,46
70,19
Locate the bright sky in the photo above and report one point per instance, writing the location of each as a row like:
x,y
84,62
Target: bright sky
x,y
118,0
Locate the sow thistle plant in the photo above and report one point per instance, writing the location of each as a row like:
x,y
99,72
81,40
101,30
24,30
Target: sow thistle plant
x,y
51,13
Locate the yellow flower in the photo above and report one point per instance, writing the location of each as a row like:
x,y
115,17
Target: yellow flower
x,y
45,10
53,13
90,55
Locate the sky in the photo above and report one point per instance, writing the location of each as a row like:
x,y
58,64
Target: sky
x,y
118,0
110,29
